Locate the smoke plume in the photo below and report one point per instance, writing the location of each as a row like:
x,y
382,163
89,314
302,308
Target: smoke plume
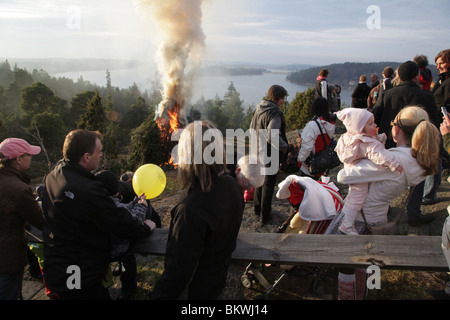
x,y
182,44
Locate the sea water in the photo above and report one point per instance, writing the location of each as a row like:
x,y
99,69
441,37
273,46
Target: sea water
x,y
252,88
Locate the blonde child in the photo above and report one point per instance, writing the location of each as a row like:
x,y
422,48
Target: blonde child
x,y
360,141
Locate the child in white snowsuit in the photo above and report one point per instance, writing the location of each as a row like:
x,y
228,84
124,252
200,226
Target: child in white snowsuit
x,y
360,141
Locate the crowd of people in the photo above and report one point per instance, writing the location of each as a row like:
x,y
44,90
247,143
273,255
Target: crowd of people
x,y
88,220
405,107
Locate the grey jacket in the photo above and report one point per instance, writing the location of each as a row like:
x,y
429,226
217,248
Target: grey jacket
x,y
269,116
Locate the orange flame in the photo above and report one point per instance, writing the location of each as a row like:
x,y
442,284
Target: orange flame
x,y
168,122
174,121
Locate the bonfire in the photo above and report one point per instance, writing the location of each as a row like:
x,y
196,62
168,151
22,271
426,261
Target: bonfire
x,y
168,122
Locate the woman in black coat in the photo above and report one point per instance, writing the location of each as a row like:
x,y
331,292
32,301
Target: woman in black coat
x,y
204,225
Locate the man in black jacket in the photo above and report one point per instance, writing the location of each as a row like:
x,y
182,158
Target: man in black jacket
x,y
79,218
407,93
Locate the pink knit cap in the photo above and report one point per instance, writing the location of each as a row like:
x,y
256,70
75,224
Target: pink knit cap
x,y
354,119
11,148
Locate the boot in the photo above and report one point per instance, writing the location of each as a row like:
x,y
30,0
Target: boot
x,y
361,283
346,287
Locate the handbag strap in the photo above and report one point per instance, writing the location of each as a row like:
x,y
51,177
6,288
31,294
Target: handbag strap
x,y
365,221
321,132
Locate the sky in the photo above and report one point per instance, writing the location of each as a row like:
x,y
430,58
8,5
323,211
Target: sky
x,y
316,32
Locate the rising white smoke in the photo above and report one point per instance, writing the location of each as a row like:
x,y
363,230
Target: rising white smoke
x,y
182,44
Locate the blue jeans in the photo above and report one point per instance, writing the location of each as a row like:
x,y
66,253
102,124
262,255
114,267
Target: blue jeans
x,y
11,286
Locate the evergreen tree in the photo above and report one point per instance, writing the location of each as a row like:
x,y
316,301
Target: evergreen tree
x,y
3,129
213,111
111,136
145,145
139,111
94,118
233,107
6,75
248,118
12,95
22,77
108,100
111,144
38,98
79,105
298,112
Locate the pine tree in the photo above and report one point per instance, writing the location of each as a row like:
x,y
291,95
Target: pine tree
x,y
108,100
145,145
79,104
298,113
233,107
111,136
94,118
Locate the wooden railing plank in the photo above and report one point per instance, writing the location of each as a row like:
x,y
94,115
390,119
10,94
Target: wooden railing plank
x,y
393,252
390,252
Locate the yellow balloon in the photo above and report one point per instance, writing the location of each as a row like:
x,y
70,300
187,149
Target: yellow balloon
x,y
149,179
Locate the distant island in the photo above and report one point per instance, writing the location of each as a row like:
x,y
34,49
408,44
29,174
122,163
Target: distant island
x,y
231,71
345,74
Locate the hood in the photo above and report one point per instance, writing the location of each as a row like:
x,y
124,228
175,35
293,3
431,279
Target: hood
x,y
317,203
265,105
354,119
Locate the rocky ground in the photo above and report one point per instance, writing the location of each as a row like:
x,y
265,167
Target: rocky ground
x,y
298,283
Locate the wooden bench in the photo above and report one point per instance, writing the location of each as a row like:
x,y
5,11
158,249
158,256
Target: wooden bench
x,y
390,252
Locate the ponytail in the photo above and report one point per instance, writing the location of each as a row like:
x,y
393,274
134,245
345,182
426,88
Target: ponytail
x,y
425,147
425,137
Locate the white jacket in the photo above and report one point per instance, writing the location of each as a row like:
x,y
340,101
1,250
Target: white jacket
x,y
317,204
385,185
309,136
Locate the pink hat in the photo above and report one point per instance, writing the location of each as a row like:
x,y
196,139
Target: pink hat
x,y
354,119
13,147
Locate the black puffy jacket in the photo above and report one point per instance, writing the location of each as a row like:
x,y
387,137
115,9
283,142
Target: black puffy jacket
x,y
79,218
407,93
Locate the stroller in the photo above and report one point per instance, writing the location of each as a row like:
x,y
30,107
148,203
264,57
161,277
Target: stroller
x,y
315,204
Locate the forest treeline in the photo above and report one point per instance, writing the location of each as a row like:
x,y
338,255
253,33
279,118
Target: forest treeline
x,y
43,109
344,73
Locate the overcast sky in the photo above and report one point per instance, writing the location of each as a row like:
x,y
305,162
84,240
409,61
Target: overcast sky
x,y
263,31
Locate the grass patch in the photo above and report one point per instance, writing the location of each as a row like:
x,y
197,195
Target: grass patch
x,y
148,273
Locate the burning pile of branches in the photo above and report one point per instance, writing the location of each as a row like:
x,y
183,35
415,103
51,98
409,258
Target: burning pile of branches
x,y
168,122
181,48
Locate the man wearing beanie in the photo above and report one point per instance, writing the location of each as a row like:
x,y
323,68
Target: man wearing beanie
x,y
407,93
